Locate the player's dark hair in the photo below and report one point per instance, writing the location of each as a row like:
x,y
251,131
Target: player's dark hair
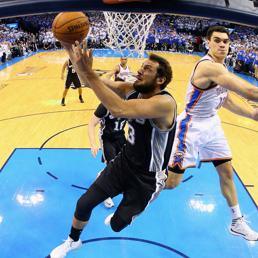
x,y
164,69
216,29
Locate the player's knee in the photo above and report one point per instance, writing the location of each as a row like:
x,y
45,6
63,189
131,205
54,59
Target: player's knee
x,y
117,223
225,169
227,176
83,208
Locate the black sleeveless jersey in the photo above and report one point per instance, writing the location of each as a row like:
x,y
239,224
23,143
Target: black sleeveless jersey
x,y
110,127
71,72
148,148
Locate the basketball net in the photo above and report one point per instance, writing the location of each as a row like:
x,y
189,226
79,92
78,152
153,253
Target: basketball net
x,y
128,31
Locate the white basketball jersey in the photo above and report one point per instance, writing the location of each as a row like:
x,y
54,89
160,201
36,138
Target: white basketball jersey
x,y
123,72
204,103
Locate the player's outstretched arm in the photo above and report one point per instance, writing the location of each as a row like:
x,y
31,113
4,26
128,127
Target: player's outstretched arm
x,y
158,106
240,107
217,73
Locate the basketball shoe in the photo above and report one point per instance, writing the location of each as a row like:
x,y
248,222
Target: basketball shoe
x,y
81,99
239,227
63,102
62,250
109,203
108,219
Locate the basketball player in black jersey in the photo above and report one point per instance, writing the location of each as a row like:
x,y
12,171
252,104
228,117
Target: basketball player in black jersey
x,y
112,137
111,133
71,78
139,170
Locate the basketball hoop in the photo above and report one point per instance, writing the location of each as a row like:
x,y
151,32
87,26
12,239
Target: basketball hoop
x,y
128,31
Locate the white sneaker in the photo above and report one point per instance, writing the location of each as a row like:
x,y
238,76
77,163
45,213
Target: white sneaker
x,y
109,203
108,219
240,227
62,250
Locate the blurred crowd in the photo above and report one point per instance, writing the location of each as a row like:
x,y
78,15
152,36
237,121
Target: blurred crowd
x,y
23,35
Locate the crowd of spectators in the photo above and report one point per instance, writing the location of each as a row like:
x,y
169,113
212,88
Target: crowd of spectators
x,y
167,33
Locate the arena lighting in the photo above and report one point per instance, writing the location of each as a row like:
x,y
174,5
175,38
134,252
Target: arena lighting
x,y
201,207
29,200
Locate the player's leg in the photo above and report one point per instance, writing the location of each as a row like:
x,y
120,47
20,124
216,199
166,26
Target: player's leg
x,y
139,194
68,83
227,185
109,152
228,189
184,151
217,150
104,186
77,84
80,94
87,202
64,95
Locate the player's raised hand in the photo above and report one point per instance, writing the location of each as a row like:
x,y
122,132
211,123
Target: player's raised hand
x,y
81,58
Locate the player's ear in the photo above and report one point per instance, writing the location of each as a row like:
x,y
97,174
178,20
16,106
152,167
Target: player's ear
x,y
161,80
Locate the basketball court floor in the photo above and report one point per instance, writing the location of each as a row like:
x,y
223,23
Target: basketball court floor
x,y
46,164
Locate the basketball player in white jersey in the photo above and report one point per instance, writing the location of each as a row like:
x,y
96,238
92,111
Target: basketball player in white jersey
x,y
121,71
199,134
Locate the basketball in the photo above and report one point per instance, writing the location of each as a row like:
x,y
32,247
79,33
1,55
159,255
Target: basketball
x,y
70,26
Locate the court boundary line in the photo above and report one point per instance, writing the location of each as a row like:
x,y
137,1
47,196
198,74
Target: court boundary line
x,y
255,204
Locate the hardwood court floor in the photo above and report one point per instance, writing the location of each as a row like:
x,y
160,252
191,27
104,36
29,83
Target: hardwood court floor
x,y
31,114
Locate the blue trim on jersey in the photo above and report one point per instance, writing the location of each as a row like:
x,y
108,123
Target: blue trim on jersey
x,y
181,136
195,96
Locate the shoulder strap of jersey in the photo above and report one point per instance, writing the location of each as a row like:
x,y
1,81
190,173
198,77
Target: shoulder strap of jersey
x,y
132,95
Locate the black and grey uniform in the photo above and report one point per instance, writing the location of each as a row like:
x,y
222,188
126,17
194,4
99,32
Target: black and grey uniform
x,y
72,77
138,172
112,134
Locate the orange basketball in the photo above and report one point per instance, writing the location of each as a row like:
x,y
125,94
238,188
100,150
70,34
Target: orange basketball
x,y
70,26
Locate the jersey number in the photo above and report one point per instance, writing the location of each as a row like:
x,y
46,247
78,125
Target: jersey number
x,y
119,125
131,134
221,102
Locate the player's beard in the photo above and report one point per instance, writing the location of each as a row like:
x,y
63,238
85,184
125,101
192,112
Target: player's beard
x,y
144,88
